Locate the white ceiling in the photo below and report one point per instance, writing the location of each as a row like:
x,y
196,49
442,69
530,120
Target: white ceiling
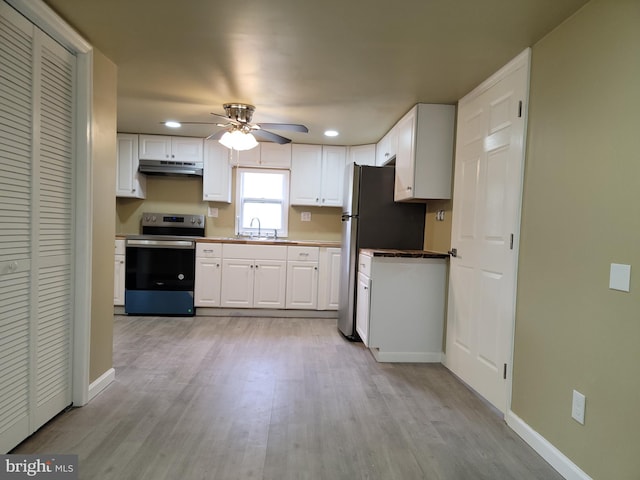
x,y
353,66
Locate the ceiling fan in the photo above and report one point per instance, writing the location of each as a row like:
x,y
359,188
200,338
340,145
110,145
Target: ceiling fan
x,y
238,125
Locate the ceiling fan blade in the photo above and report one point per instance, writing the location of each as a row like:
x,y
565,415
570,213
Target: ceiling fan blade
x,y
291,127
271,137
216,136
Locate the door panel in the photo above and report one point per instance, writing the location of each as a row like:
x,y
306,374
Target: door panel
x,y
486,213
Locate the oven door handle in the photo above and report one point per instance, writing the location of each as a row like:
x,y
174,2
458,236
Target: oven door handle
x,y
186,244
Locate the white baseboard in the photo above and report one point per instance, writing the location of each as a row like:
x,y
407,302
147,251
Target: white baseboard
x,y
564,466
406,357
101,383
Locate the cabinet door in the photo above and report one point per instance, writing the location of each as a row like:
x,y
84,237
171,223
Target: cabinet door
x,y
329,279
274,155
216,178
186,149
154,147
334,160
363,304
129,182
207,282
118,281
306,169
270,284
363,155
302,285
237,288
405,157
249,158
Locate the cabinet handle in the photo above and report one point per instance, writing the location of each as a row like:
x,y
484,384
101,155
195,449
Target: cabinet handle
x,y
366,288
217,265
408,188
256,266
121,262
208,251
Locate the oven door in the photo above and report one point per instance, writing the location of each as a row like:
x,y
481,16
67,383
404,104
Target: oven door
x,y
160,277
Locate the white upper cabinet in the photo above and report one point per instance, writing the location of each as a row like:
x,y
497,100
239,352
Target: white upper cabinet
x,y
363,155
334,160
161,147
424,154
306,168
216,177
266,155
387,147
317,175
274,155
129,182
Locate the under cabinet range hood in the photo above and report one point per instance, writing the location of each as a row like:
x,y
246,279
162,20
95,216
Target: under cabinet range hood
x,y
170,167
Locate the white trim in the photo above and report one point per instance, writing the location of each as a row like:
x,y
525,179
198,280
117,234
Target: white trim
x,y
406,357
48,21
555,458
101,383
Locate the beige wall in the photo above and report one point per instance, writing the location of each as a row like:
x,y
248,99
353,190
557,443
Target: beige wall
x,y
184,195
103,188
580,214
437,234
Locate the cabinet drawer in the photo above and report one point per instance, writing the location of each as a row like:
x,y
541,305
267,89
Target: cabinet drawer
x,y
252,252
205,249
303,254
120,249
364,264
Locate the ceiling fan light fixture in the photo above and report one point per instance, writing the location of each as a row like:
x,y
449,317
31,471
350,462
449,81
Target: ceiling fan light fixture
x,y
237,140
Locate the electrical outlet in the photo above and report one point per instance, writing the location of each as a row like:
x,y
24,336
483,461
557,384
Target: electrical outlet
x,y
577,407
305,216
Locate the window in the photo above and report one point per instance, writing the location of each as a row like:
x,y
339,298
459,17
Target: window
x,y
262,201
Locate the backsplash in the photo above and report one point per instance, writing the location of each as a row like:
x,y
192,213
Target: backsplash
x,y
184,195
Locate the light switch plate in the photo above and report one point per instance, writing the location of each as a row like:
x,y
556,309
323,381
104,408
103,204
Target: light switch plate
x,y
619,277
578,404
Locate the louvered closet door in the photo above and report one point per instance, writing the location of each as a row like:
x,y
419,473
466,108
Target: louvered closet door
x,y
52,226
36,178
15,224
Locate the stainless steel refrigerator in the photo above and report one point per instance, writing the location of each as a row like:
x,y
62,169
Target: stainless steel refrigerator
x,y
371,219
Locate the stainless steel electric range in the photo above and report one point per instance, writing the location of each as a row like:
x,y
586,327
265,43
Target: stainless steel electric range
x,y
160,265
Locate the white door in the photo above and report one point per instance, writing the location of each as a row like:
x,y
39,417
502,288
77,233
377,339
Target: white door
x,y
270,284
36,227
363,305
302,285
334,160
154,147
486,217
306,169
207,282
187,149
237,288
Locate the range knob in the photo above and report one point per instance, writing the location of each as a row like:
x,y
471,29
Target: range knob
x,y
153,219
193,220
199,221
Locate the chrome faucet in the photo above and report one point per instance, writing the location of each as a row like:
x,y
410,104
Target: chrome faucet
x,y
251,224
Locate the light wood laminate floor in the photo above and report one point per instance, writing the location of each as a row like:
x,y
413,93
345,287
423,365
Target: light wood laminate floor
x,y
278,398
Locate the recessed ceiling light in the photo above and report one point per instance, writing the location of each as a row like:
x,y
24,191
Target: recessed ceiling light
x,y
172,124
331,133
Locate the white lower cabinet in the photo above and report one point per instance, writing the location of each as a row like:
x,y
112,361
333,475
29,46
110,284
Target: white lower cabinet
x,y
254,276
400,307
119,274
363,306
329,279
208,274
302,278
